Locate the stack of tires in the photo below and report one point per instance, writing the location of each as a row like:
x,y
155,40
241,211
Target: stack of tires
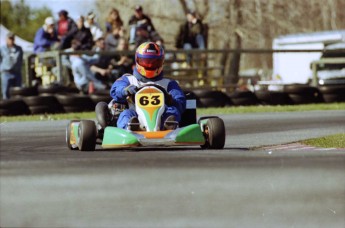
x,y
303,94
333,93
243,98
267,97
211,98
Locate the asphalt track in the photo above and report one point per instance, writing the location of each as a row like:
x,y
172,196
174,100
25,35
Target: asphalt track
x,y
43,184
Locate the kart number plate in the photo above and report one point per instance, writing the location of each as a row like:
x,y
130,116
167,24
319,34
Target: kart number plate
x,y
150,100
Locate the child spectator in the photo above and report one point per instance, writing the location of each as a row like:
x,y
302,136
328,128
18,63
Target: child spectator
x,y
66,29
83,35
139,18
94,27
113,20
11,59
46,36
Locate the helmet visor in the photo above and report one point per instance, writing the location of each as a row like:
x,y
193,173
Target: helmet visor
x,y
149,63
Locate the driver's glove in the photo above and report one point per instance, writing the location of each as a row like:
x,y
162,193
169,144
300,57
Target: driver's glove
x,y
129,90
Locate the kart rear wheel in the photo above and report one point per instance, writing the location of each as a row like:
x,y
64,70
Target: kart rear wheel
x,y
87,135
68,135
214,132
102,114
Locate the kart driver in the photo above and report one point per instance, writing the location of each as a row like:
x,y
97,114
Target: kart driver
x,y
149,59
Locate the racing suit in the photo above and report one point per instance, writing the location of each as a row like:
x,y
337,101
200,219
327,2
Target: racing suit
x,y
176,109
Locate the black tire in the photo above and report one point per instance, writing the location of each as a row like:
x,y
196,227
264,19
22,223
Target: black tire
x,y
303,94
51,89
5,112
68,134
244,98
272,97
69,109
40,109
102,114
214,132
74,99
87,135
37,102
96,98
23,91
14,106
333,93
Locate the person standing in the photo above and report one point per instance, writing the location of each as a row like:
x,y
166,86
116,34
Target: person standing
x,y
11,60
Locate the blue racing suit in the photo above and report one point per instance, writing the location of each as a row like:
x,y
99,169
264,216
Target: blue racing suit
x,y
171,86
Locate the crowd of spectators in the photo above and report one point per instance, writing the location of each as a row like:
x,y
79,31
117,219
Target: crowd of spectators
x,y
85,34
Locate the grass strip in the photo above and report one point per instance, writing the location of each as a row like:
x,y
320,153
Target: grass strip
x,y
332,141
200,111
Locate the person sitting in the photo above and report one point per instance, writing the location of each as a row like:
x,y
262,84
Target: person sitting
x,y
149,59
82,74
122,64
139,18
83,35
66,29
112,39
94,27
113,20
46,36
143,35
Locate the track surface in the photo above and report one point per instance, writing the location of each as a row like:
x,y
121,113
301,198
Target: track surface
x,y
43,184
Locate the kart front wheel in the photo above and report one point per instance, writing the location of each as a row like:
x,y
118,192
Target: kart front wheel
x,y
87,135
68,134
214,132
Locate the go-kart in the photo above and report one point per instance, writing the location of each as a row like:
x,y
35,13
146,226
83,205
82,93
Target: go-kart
x,y
149,103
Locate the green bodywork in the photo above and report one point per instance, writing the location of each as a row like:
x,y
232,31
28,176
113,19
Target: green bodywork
x,y
190,134
117,137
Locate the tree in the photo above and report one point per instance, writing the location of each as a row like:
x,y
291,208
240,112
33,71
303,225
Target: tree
x,y
21,19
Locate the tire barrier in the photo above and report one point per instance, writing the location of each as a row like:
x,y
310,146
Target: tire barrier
x,y
333,93
273,97
303,94
57,99
211,98
244,98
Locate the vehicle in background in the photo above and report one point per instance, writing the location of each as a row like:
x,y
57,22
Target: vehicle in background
x,y
311,67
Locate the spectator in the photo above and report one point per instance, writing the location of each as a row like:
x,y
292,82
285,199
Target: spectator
x,y
83,35
122,64
94,27
46,36
113,20
139,18
82,74
66,29
11,59
143,35
112,39
191,33
101,64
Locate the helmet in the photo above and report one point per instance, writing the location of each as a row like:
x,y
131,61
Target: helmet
x,y
149,59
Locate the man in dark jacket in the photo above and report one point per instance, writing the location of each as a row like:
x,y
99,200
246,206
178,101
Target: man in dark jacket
x,y
139,18
66,29
83,35
191,33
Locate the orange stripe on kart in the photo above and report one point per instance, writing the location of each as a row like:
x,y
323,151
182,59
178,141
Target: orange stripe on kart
x,y
154,135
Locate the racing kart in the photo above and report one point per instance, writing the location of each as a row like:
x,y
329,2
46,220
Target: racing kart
x,y
149,103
